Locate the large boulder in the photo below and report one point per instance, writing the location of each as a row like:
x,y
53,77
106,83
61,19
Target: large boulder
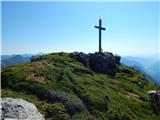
x,y
104,63
19,109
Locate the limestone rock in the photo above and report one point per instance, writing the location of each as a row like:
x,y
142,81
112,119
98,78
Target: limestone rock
x,y
19,109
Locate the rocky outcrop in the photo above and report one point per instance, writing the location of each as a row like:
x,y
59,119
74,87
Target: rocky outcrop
x,y
99,62
82,57
19,109
103,63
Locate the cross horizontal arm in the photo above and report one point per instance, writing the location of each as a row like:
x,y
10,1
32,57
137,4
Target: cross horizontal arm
x,y
100,27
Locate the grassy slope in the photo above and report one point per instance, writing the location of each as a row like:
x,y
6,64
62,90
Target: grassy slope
x,y
89,96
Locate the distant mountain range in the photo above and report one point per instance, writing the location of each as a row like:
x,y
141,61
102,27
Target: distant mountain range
x,y
150,66
8,60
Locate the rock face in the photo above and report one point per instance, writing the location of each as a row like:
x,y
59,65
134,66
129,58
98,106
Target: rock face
x,y
100,62
103,63
19,109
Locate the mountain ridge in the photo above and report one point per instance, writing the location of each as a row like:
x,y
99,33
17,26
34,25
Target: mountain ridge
x,y
70,90
148,66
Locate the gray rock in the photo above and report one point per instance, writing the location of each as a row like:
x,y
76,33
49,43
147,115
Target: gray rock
x,y
82,57
19,109
104,63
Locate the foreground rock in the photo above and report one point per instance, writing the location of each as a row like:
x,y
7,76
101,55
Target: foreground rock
x,y
19,109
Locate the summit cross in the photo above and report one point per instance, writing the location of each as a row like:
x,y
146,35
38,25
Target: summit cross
x,y
100,33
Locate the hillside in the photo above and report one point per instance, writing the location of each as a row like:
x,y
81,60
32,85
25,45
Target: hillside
x,y
63,88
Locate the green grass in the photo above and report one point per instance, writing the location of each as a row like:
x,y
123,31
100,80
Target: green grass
x,y
89,95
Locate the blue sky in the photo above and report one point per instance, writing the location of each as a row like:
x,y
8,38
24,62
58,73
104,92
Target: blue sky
x,y
132,28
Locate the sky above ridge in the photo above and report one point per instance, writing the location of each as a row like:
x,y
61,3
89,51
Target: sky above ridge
x,y
132,28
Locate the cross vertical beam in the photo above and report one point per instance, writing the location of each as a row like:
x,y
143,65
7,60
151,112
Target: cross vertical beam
x,y
100,25
100,34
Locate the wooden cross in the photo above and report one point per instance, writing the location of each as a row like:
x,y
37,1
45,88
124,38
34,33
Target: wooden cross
x,y
100,28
